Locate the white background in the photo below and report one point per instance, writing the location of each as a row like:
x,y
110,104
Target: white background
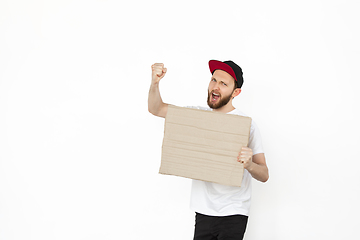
x,y
79,152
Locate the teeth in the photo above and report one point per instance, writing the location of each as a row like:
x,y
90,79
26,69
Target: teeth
x,y
214,96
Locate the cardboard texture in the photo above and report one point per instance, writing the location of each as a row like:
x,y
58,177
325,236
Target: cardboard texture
x,y
204,145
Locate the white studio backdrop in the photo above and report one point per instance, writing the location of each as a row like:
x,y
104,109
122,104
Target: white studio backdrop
x,y
80,154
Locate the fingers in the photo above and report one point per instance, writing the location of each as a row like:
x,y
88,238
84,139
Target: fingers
x,y
162,72
158,71
157,66
246,150
245,155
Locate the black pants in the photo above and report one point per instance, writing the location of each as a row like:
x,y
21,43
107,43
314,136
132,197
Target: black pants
x,y
220,228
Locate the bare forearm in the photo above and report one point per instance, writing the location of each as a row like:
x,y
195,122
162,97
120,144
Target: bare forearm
x,y
259,172
155,104
255,164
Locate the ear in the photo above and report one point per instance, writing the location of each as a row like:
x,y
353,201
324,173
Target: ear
x,y
236,92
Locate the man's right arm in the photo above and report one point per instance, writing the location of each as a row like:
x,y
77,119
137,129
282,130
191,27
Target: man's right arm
x,y
155,104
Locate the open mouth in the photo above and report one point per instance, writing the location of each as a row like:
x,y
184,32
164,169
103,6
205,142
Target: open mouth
x,y
215,96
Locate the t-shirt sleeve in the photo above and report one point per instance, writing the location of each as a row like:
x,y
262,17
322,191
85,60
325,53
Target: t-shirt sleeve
x,y
255,142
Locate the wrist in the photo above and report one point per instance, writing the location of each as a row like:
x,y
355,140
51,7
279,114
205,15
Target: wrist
x,y
154,83
249,166
154,86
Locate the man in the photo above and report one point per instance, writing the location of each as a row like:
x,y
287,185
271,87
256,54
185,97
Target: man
x,y
221,211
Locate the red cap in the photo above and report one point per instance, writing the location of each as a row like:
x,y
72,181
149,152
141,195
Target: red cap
x,y
230,67
217,65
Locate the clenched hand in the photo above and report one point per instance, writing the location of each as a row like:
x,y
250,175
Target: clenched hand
x,y
158,72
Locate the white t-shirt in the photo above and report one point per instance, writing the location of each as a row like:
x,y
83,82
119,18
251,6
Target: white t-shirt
x,y
214,199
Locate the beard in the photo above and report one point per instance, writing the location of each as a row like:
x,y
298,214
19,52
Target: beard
x,y
222,102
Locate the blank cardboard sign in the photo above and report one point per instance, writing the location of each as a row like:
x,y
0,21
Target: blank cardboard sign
x,y
204,145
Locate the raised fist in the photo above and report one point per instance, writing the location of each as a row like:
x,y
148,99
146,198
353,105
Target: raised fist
x,y
158,72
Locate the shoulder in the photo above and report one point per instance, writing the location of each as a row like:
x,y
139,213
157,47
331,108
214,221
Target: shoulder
x,y
240,113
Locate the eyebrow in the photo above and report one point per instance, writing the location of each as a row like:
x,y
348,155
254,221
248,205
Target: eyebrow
x,y
220,80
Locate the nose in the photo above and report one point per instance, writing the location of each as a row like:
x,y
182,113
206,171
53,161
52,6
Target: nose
x,y
217,86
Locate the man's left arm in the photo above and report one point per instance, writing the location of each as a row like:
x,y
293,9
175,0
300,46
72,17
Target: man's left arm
x,y
255,164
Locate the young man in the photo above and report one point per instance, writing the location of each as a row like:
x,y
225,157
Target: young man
x,y
221,211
